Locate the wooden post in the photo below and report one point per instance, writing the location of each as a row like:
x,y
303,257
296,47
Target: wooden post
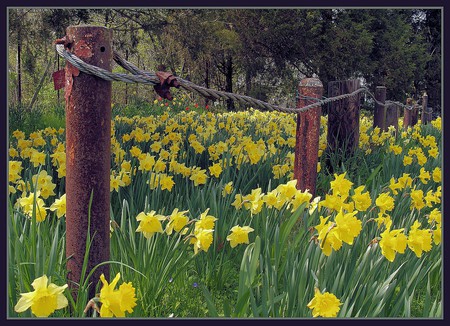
x,y
307,135
379,117
414,115
426,116
407,114
343,119
392,117
88,154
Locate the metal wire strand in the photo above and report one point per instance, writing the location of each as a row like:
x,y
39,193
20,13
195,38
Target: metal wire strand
x,y
150,78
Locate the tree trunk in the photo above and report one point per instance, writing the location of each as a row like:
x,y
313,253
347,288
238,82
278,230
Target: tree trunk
x,y
126,84
41,82
229,81
248,82
57,60
206,79
19,68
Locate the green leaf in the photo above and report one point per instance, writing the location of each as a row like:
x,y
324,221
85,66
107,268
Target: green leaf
x,y
212,311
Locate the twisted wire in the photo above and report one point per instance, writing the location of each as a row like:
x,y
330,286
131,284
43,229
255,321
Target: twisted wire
x,y
150,78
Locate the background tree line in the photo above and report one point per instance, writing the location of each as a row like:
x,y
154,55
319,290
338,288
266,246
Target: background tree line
x,y
257,52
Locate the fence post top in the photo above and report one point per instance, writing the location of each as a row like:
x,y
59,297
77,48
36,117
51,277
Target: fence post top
x,y
311,82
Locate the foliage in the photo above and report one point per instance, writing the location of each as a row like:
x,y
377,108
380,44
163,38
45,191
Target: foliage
x,y
277,272
259,52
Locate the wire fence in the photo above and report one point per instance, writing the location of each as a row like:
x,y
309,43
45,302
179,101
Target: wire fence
x,y
136,75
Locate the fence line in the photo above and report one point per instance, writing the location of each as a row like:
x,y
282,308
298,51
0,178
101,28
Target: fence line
x,y
166,80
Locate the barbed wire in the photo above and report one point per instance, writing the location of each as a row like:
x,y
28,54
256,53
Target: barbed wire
x,y
145,77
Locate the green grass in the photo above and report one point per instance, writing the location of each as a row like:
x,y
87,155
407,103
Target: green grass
x,y
274,275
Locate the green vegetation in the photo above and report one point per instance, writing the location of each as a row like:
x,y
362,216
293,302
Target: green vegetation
x,y
286,258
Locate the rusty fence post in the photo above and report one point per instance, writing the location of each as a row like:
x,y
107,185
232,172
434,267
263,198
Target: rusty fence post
x,y
343,121
88,156
426,115
379,117
307,135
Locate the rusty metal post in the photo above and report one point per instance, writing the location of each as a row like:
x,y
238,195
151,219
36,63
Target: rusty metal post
x,y
307,135
379,117
426,116
88,142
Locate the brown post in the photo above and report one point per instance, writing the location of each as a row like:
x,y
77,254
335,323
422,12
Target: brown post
x,y
343,119
426,116
307,135
88,142
407,114
414,115
392,116
379,117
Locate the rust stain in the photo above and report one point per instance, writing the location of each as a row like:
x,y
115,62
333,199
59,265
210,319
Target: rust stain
x,y
88,137
70,71
167,80
62,40
307,136
83,49
71,153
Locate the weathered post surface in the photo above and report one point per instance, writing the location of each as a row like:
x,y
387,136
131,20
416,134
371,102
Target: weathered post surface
x,y
307,135
407,114
343,119
392,117
88,141
379,117
415,115
426,115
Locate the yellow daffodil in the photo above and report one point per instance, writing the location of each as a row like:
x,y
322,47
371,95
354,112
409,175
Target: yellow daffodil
x,y
384,202
348,226
150,223
324,304
417,199
166,182
362,200
392,241
177,221
215,170
206,221
44,300
227,189
300,198
59,206
328,237
437,176
116,302
239,235
115,182
202,240
419,240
